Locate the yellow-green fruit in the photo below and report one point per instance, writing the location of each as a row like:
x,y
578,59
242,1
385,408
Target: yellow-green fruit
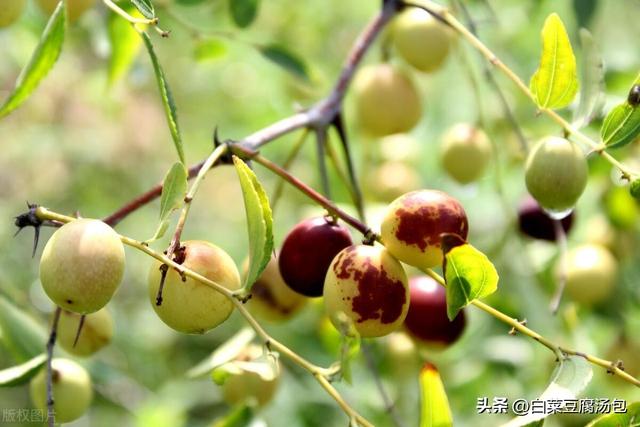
x,y
190,306
97,331
421,40
465,153
271,298
72,392
82,265
387,101
556,173
243,387
591,273
75,8
10,11
391,179
370,287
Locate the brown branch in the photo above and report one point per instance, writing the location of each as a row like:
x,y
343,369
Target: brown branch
x,y
50,345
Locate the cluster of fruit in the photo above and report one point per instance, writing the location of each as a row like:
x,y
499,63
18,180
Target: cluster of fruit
x,y
11,10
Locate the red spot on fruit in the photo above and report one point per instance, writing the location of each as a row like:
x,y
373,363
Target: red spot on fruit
x,y
425,215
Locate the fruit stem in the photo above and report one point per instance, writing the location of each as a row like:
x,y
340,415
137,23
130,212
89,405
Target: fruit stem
x,y
561,238
50,345
133,20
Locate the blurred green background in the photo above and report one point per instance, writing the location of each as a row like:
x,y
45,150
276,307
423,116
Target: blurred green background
x,y
80,144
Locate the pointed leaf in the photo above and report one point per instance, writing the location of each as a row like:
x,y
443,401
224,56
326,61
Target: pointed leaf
x,y
241,416
23,337
469,275
174,189
259,221
570,378
41,62
349,345
145,7
630,418
555,83
622,124
125,44
434,404
167,98
20,374
592,95
243,12
223,354
285,59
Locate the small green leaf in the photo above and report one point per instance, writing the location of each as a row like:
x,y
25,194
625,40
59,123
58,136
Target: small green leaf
x,y
349,343
259,220
285,59
23,337
223,354
469,275
174,188
555,83
434,404
631,418
592,95
20,374
145,7
167,98
240,416
41,62
125,44
622,124
243,12
265,366
209,49
569,379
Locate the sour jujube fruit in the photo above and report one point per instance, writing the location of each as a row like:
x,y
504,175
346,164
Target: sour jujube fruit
x,y
465,153
188,305
591,273
307,252
72,391
427,319
387,100
534,222
413,224
246,386
369,286
96,332
82,265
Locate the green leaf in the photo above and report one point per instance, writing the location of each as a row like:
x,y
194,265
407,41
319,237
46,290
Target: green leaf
x,y
20,374
125,44
434,404
631,418
174,189
622,124
469,275
569,379
265,366
223,354
592,95
349,343
285,59
167,98
555,83
241,416
243,12
259,220
209,49
145,7
23,337
41,62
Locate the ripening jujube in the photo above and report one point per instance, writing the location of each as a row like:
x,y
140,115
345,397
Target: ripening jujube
x,y
96,332
591,273
465,153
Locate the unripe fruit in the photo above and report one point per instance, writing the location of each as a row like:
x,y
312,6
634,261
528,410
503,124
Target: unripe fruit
x,y
421,40
536,223
75,8
370,286
412,226
271,298
591,273
307,252
190,306
427,318
465,153
247,386
72,392
10,11
626,351
97,331
391,179
82,265
387,101
556,173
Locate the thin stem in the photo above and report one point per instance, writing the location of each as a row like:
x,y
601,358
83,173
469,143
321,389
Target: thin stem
x,y
338,123
111,5
50,345
320,374
293,154
321,143
561,238
333,156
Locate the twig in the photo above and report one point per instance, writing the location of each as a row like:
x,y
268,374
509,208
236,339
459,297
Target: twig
x,y
50,345
321,146
293,154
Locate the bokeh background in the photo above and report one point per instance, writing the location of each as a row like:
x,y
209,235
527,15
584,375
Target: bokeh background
x,y
83,144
